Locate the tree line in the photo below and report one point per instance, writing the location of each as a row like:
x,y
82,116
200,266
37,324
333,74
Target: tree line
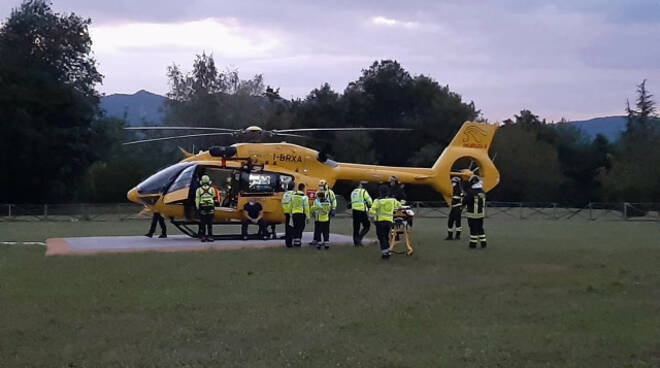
x,y
58,146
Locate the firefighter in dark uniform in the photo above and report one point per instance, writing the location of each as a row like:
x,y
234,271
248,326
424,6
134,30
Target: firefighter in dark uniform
x,y
455,211
475,209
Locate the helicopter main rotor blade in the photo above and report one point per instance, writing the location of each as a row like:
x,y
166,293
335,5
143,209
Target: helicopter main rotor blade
x,y
175,137
340,130
184,128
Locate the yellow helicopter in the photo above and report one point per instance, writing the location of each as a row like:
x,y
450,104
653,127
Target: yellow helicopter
x,y
261,171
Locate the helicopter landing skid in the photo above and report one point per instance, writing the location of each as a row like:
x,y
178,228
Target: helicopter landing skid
x,y
184,227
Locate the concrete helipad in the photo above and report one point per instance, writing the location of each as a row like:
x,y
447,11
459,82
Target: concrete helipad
x,y
174,243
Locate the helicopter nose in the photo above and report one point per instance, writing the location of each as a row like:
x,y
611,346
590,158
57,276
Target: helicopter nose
x,y
133,195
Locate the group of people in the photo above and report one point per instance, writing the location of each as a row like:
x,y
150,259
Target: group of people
x,y
470,195
297,212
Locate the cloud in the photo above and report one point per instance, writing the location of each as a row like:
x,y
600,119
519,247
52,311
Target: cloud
x,y
226,38
561,58
391,22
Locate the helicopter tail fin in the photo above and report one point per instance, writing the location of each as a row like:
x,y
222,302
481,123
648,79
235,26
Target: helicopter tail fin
x,y
472,141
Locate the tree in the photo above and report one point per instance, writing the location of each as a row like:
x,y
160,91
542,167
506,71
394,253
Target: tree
x,y
635,171
48,80
641,117
207,97
386,95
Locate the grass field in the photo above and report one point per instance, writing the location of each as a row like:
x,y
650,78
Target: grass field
x,y
544,294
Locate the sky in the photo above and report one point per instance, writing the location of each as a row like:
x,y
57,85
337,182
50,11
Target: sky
x,y
572,59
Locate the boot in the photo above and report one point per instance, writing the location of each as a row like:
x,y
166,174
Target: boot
x,y
449,236
326,245
458,235
483,244
473,245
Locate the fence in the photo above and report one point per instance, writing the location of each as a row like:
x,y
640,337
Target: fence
x,y
508,210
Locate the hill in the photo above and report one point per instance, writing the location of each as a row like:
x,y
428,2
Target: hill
x,y
139,108
609,126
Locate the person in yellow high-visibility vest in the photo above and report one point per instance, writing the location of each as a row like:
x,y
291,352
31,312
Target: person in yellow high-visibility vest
x,y
205,203
329,194
299,213
286,208
321,210
382,212
360,203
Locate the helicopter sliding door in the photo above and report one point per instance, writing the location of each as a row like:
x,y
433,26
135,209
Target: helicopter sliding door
x,y
179,191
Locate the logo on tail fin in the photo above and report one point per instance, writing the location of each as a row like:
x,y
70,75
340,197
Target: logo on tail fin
x,y
473,133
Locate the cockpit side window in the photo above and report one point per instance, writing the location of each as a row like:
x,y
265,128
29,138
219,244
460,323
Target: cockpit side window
x,y
158,182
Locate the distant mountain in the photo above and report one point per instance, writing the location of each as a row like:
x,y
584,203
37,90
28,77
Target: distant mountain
x,y
609,126
138,108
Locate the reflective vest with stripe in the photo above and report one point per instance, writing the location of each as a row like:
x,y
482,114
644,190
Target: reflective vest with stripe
x,y
299,203
383,209
322,210
360,199
286,201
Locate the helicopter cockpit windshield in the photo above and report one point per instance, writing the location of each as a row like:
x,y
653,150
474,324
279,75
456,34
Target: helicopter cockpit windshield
x,y
158,182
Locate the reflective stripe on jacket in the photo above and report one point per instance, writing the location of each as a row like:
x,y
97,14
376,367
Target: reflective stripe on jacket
x,y
383,209
360,200
475,204
330,195
299,203
321,210
204,196
286,201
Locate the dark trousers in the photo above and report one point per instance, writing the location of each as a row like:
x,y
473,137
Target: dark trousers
x,y
322,228
261,223
298,227
157,218
360,219
477,233
288,230
206,225
454,219
383,232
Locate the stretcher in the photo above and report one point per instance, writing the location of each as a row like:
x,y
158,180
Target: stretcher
x,y
402,228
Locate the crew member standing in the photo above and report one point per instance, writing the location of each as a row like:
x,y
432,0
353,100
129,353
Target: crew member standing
x,y
382,212
360,203
157,219
329,194
205,203
455,211
299,213
286,208
396,189
321,210
475,208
